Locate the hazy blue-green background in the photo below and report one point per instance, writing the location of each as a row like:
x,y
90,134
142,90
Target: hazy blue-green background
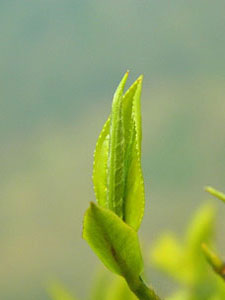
x,y
60,62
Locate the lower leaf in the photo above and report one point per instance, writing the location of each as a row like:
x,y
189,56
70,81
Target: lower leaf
x,y
113,241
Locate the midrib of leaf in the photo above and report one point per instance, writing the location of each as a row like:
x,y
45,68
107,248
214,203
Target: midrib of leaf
x,y
116,180
122,267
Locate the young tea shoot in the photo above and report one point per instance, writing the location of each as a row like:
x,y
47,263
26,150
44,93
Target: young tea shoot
x,y
110,226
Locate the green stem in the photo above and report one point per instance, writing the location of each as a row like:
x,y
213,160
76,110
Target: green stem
x,y
214,260
141,290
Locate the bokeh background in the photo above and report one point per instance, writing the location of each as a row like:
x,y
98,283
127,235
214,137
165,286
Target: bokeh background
x,y
60,62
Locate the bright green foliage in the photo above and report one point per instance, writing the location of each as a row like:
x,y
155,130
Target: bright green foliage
x,y
117,175
100,165
115,243
185,261
215,193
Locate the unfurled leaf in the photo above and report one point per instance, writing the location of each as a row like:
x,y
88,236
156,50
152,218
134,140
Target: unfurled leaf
x,y
100,165
215,193
114,242
117,175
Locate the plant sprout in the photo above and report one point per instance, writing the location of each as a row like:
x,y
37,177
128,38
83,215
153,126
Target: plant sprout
x,y
110,227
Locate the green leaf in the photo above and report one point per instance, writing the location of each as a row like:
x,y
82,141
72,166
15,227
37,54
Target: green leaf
x,y
134,197
215,193
108,167
113,241
100,165
116,168
117,175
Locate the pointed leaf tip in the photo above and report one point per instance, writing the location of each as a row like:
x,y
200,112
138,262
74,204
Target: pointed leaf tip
x,y
140,78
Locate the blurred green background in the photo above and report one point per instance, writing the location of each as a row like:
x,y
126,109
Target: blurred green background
x,y
60,64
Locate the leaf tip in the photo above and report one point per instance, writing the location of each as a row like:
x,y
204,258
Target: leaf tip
x,y
215,193
208,188
140,78
126,75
